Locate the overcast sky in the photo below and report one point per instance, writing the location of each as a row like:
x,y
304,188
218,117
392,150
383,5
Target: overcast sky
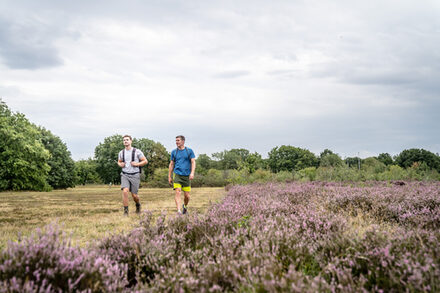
x,y
356,77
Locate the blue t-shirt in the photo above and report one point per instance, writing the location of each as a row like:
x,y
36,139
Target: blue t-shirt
x,y
182,164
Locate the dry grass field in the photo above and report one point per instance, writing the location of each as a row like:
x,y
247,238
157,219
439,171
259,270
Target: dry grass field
x,y
88,212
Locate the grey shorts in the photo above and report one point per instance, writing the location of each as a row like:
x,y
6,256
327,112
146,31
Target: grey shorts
x,y
131,182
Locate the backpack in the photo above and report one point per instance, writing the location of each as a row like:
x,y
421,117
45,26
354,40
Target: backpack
x,y
133,153
187,153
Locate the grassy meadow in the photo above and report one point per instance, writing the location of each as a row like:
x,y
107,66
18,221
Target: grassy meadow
x,y
87,212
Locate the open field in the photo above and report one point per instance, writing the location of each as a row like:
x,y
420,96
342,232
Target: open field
x,y
87,212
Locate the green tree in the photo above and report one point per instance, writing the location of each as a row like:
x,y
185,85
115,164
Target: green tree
x,y
156,154
62,167
385,158
253,162
372,165
408,157
329,159
23,158
231,159
86,172
289,158
353,162
204,163
106,156
326,152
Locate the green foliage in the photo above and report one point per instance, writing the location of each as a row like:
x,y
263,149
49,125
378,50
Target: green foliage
x,y
159,178
408,157
212,178
156,154
237,177
352,162
331,160
289,158
23,157
285,176
252,163
204,163
306,174
385,158
106,155
231,159
372,165
86,172
62,167
261,176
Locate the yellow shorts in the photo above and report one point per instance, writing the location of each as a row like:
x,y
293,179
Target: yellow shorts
x,y
180,181
186,188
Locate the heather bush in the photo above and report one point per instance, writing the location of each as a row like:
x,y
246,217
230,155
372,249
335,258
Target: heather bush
x,y
288,237
411,204
391,262
46,262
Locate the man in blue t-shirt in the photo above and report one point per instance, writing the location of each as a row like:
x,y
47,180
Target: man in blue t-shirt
x,y
183,163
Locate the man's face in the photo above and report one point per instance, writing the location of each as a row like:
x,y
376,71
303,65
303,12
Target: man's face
x,y
179,142
127,141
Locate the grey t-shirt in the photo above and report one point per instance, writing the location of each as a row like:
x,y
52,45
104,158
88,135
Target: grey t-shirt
x,y
137,157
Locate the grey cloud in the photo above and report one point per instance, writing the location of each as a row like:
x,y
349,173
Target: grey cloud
x,y
27,46
231,74
395,57
379,78
280,72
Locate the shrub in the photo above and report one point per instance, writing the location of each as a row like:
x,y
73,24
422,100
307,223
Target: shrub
x,y
261,176
47,262
160,178
307,174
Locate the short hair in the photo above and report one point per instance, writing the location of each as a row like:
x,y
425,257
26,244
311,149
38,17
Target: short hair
x,y
127,136
181,137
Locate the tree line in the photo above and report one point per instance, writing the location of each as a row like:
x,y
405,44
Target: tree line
x,y
33,158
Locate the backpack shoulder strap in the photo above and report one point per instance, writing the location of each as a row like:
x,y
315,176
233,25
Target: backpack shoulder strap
x,y
187,153
123,155
133,153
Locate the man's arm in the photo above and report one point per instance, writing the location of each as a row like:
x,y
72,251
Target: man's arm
x,y
120,162
170,171
143,162
193,168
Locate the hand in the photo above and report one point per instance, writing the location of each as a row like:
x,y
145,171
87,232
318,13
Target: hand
x,y
191,176
134,164
121,164
170,180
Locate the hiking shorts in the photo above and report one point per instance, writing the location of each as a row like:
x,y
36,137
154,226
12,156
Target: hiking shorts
x,y
181,182
131,181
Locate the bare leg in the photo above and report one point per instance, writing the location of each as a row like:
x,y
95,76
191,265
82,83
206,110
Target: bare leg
x,y
177,198
186,197
125,197
135,198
